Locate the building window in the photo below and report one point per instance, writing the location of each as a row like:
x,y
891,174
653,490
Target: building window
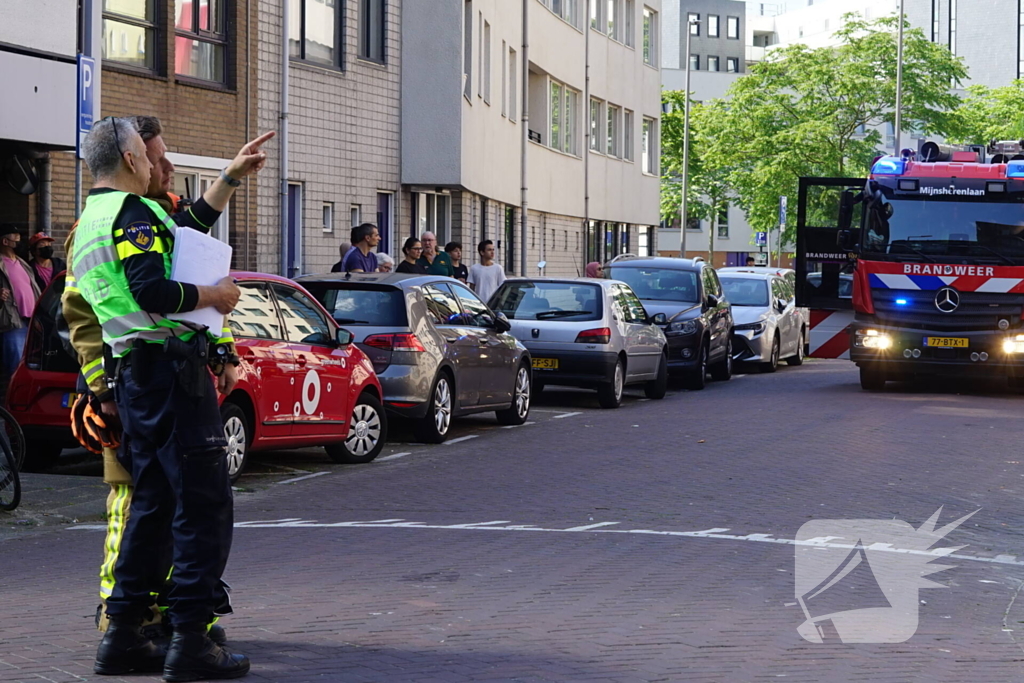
x,y
694,62
693,21
487,62
129,30
200,40
467,50
713,64
565,9
723,222
629,18
713,28
649,158
614,18
480,57
732,28
1020,42
504,79
513,86
732,64
372,27
432,213
555,102
328,216
627,137
935,21
614,114
354,215
596,138
650,36
952,26
315,29
597,15
570,122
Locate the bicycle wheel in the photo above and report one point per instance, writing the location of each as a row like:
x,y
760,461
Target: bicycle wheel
x,y
15,436
10,482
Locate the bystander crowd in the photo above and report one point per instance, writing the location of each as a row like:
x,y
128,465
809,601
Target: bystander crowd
x,y
44,264
18,295
411,250
360,258
343,250
485,277
436,263
454,251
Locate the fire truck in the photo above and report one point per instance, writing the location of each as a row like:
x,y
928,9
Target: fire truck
x,y
921,269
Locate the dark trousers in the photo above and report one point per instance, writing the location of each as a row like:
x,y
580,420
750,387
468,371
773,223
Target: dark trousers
x,y
180,474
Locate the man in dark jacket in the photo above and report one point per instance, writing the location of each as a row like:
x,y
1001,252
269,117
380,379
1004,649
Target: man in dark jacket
x,y
44,264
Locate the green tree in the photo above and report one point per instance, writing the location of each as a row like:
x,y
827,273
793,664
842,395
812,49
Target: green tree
x,y
708,179
990,114
810,112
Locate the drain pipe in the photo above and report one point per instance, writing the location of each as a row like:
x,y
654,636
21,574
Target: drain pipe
x,y
524,209
586,138
283,137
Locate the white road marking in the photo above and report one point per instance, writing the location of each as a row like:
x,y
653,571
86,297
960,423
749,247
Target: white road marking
x,y
713,533
287,469
308,476
559,417
393,456
525,424
460,439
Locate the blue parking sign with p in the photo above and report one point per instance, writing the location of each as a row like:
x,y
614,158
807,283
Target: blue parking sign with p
x,y
86,99
761,239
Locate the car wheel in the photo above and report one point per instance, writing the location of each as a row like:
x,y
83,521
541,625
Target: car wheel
x,y
698,378
239,435
657,387
773,360
872,379
40,456
798,359
433,427
367,433
722,370
519,411
610,395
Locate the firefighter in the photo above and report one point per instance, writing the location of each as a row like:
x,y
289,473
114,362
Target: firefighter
x,y
95,409
166,402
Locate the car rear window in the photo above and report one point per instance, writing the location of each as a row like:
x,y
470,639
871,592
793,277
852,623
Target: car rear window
x,y
358,304
548,301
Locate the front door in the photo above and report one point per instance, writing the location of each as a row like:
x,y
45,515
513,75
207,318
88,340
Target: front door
x,y
267,362
637,333
462,341
322,371
497,351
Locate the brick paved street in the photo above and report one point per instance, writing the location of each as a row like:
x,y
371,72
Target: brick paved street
x,y
584,563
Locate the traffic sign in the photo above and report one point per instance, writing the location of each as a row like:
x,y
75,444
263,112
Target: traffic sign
x,y
782,211
86,99
761,239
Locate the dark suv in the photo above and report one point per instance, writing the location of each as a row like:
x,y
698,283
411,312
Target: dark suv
x,y
687,291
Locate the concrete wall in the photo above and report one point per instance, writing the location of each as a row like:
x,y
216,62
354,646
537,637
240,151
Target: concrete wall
x,y
44,25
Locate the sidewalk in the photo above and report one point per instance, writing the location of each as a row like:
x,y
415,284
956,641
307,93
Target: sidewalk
x,y
55,499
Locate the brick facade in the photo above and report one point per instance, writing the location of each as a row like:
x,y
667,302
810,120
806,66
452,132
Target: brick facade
x,y
343,139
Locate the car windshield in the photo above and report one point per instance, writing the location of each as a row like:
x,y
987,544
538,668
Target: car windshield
x,y
745,291
929,226
357,304
548,301
659,284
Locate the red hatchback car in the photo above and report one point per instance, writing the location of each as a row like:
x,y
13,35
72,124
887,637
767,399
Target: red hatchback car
x,y
301,383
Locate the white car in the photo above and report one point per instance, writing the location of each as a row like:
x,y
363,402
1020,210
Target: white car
x,y
767,325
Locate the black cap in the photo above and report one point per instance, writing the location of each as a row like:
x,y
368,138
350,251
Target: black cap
x,y
8,229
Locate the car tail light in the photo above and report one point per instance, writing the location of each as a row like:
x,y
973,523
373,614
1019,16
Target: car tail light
x,y
394,342
598,335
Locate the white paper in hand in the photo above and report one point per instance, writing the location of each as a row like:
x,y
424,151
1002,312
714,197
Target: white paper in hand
x,y
199,259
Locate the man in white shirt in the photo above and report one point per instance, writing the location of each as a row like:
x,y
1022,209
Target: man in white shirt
x,y
485,277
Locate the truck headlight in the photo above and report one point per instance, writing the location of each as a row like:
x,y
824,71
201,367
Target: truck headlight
x,y
873,339
1014,344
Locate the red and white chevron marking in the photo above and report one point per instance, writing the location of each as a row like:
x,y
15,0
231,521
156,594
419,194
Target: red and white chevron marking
x,y
828,336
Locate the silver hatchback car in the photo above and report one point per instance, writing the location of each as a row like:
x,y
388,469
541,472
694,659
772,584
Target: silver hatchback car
x,y
437,349
586,333
768,326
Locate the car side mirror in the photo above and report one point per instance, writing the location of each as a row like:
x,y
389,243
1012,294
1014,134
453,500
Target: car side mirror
x,y
658,319
713,301
501,323
780,305
343,337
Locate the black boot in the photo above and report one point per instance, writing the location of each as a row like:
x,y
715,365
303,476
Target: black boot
x,y
192,656
125,650
218,635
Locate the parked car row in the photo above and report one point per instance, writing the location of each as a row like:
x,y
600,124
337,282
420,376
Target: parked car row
x,y
326,360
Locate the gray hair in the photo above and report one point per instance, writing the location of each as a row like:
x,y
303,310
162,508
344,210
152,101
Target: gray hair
x,y
385,258
105,144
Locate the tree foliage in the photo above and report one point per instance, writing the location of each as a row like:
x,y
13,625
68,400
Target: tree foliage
x,y
811,112
990,114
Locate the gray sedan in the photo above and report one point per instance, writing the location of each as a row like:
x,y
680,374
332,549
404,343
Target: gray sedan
x,y
437,349
586,333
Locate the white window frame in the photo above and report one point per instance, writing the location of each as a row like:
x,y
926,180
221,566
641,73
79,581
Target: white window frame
x,y
629,16
628,123
597,18
614,19
650,37
486,47
327,214
513,85
355,215
480,59
613,125
204,171
595,119
504,78
649,141
556,105
571,121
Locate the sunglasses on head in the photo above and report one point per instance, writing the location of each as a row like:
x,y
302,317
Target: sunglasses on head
x,y
117,140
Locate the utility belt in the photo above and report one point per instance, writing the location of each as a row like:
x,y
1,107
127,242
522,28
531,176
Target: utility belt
x,y
192,360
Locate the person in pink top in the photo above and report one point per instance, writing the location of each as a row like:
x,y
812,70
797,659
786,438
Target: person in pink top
x,y
18,295
44,264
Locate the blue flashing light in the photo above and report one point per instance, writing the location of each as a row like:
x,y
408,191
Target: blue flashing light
x,y
1015,169
889,166
902,302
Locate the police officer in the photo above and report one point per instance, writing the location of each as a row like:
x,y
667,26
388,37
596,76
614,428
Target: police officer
x,y
167,404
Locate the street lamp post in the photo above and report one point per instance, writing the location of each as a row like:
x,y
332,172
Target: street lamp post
x,y
899,82
686,143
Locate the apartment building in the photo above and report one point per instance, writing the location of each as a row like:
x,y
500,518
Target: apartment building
x,y
335,162
591,146
717,57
